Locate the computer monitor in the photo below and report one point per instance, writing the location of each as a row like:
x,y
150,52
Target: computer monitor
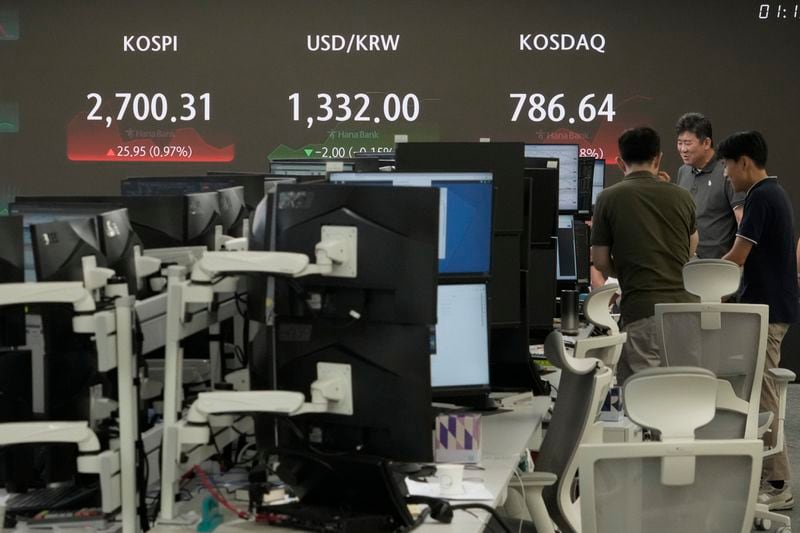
x,y
541,200
582,261
39,210
202,217
310,166
378,322
233,211
599,179
58,248
585,183
465,213
460,362
174,221
16,405
567,155
173,185
12,317
70,374
374,161
566,268
117,242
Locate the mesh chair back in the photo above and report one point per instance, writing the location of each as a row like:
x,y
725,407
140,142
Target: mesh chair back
x,y
582,387
622,489
730,341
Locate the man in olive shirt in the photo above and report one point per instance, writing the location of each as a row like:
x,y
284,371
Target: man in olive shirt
x,y
719,207
643,232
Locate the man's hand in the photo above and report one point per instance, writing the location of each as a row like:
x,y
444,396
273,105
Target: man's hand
x,y
663,176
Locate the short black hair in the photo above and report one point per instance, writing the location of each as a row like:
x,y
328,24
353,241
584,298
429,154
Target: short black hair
x,y
696,123
750,143
639,145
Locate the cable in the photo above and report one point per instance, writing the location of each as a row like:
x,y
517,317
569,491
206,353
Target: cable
x,y
143,469
212,489
419,521
486,508
240,354
220,457
524,497
237,299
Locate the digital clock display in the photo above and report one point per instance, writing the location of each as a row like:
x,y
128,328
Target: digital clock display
x,y
779,11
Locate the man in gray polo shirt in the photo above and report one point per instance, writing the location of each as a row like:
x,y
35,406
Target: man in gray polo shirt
x,y
719,208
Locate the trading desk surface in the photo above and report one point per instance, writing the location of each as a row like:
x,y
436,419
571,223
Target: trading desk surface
x,y
505,436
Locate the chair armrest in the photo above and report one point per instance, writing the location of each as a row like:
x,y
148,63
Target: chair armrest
x,y
535,479
532,485
781,374
782,377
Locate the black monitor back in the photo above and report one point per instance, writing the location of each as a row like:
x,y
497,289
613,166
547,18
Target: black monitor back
x,y
394,294
233,211
16,405
391,378
397,250
202,216
159,221
59,246
117,241
12,270
541,208
252,182
582,262
70,359
585,181
542,289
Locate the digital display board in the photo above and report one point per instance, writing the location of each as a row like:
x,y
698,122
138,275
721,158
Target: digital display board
x,y
92,92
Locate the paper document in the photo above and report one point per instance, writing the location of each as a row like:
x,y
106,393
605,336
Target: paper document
x,y
473,490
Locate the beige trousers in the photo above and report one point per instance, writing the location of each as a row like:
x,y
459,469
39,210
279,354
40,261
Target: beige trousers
x,y
640,351
776,467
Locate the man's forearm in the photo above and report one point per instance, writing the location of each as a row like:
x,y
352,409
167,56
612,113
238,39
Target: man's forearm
x,y
607,267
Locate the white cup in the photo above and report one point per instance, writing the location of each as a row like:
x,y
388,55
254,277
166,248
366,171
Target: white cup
x,y
451,479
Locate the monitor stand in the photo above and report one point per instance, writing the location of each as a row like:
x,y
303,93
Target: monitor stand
x,y
357,493
480,401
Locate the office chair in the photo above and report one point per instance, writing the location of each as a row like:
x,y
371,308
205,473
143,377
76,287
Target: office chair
x,y
730,340
583,386
607,348
678,484
596,307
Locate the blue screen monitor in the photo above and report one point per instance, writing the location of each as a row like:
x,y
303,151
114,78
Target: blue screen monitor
x,y
566,265
598,179
567,155
461,357
465,213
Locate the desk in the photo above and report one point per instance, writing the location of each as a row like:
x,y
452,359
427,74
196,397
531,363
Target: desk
x,y
504,434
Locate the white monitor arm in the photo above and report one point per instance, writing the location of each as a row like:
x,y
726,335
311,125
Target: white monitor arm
x,y
336,256
68,292
40,432
332,392
80,295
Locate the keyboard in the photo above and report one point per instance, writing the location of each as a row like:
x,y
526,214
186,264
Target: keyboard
x,y
68,496
89,519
